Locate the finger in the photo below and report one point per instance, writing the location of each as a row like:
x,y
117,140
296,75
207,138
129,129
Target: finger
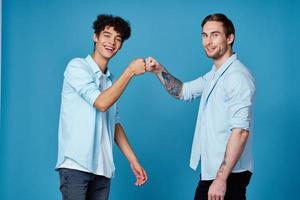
x,y
148,69
145,174
137,182
147,61
209,196
150,60
142,181
151,64
214,197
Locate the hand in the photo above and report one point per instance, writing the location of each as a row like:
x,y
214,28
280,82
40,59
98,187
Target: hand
x,y
139,172
137,66
217,190
153,66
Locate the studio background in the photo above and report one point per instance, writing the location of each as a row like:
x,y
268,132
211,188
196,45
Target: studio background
x,y
39,37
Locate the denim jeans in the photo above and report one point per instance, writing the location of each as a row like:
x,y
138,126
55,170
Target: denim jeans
x,y
236,187
78,185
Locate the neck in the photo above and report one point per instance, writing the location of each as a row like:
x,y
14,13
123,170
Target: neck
x,y
101,61
219,61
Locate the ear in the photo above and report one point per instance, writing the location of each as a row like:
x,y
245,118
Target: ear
x,y
120,46
230,39
95,38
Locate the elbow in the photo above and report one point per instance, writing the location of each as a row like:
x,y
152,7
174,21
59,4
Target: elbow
x,y
101,107
243,134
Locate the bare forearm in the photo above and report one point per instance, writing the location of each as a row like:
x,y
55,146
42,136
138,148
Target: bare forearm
x,y
123,144
234,149
108,97
172,84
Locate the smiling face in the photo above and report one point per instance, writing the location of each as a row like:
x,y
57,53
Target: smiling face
x,y
215,42
107,43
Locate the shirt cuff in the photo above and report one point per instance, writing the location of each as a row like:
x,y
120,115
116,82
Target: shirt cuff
x,y
240,123
91,98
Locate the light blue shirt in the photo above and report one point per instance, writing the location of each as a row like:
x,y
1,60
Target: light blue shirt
x,y
227,96
86,135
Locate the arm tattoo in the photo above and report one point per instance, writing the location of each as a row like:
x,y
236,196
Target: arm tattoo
x,y
173,85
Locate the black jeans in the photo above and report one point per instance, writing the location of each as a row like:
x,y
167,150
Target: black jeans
x,y
236,187
78,185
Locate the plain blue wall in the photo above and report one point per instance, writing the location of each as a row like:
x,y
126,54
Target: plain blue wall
x,y
40,37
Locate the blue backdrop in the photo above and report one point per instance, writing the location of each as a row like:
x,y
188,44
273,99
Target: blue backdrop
x,y
40,37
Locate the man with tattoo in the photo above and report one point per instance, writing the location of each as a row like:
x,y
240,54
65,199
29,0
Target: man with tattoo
x,y
222,139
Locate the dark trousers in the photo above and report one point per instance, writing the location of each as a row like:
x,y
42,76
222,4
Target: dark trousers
x,y
78,185
236,187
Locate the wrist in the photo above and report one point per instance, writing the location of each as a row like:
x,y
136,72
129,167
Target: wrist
x,y
160,71
129,71
133,160
221,177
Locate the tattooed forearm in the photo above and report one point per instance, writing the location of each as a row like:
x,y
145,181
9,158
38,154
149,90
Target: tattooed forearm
x,y
173,85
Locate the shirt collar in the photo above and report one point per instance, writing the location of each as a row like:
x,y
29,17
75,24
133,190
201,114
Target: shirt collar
x,y
95,67
225,65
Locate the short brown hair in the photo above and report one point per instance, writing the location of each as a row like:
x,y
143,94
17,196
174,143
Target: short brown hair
x,y
227,23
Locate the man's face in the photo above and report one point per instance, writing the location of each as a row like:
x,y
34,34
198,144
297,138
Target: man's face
x,y
214,40
108,43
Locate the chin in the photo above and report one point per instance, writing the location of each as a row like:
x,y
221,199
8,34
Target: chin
x,y
210,55
108,56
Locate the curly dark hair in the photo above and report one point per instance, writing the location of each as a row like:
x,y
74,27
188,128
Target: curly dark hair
x,y
120,25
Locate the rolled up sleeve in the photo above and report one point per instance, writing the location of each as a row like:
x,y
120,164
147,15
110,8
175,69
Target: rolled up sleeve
x,y
81,81
240,90
193,89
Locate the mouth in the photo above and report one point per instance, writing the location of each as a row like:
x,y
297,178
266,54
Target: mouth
x,y
109,48
210,49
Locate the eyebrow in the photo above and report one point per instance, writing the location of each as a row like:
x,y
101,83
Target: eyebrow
x,y
215,32
106,32
211,32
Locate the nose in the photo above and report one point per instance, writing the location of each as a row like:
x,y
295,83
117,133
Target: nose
x,y
208,40
111,41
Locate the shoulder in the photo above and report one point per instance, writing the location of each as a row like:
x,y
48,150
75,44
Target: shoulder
x,y
77,65
238,75
238,71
